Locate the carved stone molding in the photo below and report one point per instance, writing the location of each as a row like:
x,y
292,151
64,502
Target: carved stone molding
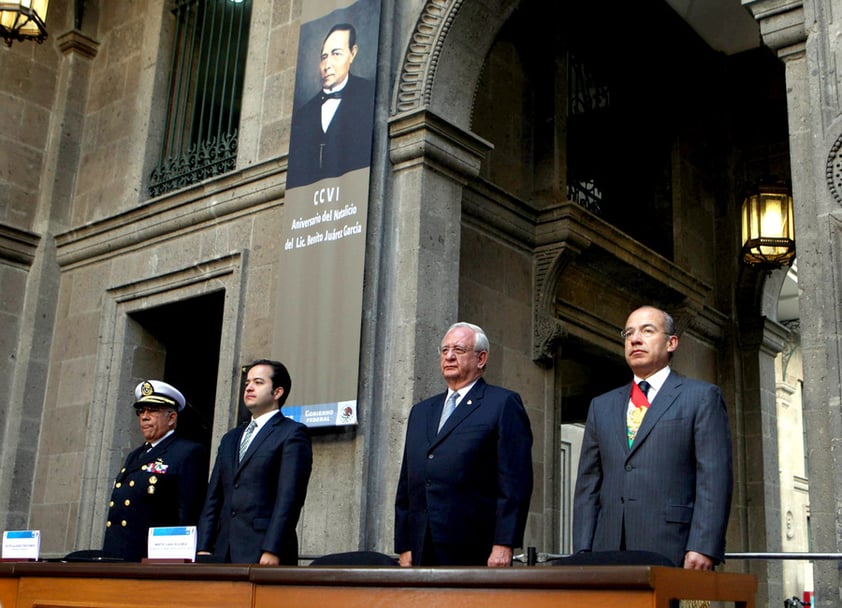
x,y
18,246
781,25
568,234
547,332
422,137
190,210
833,170
421,60
548,265
75,41
792,344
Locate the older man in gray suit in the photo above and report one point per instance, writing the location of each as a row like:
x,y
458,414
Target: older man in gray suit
x,y
655,471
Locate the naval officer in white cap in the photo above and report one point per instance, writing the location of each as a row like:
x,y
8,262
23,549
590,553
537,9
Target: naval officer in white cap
x,y
162,483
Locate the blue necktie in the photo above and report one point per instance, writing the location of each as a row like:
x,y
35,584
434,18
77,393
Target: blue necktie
x,y
449,406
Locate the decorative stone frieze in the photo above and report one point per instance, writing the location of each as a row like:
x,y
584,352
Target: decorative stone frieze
x,y
549,263
419,67
833,170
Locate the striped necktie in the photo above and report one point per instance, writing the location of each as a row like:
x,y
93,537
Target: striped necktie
x,y
246,440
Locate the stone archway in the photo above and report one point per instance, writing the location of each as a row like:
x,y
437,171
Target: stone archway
x,y
456,29
433,154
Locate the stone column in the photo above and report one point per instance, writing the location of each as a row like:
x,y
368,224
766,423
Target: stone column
x,y
432,160
759,346
20,439
813,105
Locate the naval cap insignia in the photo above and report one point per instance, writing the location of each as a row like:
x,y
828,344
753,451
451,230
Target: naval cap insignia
x,y
147,389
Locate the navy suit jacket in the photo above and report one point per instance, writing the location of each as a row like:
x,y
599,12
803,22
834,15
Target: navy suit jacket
x,y
315,154
162,487
468,485
254,506
672,489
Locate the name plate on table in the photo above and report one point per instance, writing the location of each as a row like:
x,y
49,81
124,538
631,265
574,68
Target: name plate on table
x,y
21,544
175,542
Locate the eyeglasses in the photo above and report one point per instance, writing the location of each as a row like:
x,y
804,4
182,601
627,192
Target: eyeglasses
x,y
152,409
647,331
456,350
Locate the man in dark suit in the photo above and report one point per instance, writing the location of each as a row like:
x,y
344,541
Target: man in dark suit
x,y
655,478
466,476
331,134
162,483
259,480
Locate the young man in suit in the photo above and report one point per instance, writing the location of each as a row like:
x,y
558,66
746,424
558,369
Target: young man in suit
x,y
466,476
260,478
162,483
655,472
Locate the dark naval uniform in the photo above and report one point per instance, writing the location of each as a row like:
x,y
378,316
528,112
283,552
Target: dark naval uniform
x,y
164,486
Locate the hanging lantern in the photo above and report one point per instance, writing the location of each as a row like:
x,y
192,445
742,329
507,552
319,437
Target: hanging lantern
x,y
768,227
23,20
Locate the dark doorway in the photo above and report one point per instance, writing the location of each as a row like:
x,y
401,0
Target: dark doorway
x,y
190,331
585,372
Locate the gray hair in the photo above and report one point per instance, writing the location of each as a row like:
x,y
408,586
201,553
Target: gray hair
x,y
669,324
480,339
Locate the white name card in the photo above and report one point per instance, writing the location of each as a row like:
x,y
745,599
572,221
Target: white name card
x,y
21,544
174,542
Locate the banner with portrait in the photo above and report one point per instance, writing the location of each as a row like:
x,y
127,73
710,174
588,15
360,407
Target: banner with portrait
x,y
320,289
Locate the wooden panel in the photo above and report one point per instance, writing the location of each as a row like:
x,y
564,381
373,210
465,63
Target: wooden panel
x,y
52,585
350,597
8,592
36,592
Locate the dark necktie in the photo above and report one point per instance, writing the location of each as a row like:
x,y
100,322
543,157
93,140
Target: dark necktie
x,y
335,95
644,388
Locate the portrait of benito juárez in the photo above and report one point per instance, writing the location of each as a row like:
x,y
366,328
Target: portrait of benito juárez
x,y
331,133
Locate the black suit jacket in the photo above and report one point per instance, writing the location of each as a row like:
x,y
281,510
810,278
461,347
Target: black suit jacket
x,y
315,154
671,490
254,506
468,486
162,487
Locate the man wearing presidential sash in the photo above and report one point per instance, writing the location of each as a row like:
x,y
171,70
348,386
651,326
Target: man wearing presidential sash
x,y
655,472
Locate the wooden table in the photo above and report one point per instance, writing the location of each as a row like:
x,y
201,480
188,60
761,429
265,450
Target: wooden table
x,y
94,585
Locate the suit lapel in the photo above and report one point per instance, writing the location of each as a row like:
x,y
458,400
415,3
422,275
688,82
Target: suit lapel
x,y
663,401
261,435
133,462
618,421
433,417
469,403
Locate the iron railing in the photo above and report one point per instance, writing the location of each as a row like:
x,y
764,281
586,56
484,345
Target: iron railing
x,y
205,93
